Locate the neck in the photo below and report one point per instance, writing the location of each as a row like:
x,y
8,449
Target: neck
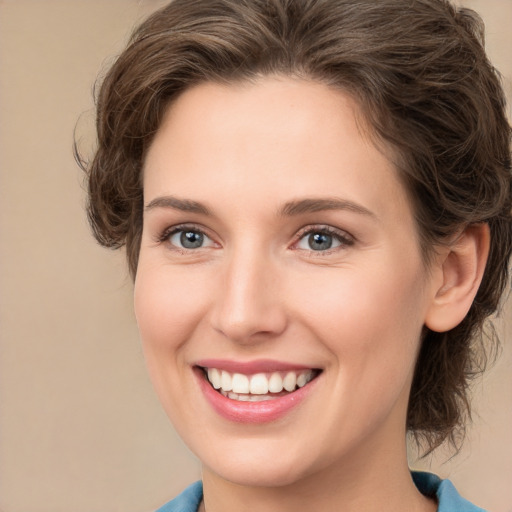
x,y
379,483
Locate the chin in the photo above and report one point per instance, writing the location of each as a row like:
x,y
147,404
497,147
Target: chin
x,y
259,466
258,475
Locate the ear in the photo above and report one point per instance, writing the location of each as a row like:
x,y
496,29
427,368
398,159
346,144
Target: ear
x,y
461,268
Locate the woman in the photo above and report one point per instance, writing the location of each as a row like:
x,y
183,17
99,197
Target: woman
x,y
315,197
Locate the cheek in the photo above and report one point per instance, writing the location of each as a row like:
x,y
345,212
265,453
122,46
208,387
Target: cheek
x,y
372,329
167,306
371,318
168,310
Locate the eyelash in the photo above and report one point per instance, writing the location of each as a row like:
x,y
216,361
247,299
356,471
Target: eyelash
x,y
345,240
169,232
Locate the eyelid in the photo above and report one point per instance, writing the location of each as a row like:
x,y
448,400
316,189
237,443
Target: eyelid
x,y
165,235
345,238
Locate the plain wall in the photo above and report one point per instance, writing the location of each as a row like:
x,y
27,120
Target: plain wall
x,y
80,427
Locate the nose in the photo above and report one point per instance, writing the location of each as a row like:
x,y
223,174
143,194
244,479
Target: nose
x,y
248,307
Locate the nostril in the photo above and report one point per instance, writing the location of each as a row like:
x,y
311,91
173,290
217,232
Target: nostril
x,y
248,308
247,330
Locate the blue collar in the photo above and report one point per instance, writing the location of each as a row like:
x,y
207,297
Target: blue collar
x,y
430,485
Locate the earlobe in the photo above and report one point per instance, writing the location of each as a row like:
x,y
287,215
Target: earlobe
x,y
462,268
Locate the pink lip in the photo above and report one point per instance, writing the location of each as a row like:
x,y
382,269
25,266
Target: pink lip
x,y
250,367
252,412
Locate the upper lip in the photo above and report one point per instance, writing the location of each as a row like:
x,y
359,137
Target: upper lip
x,y
251,367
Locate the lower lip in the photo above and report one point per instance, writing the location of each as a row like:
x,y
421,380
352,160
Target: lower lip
x,y
252,412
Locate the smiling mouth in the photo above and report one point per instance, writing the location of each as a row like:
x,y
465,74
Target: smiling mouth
x,y
258,387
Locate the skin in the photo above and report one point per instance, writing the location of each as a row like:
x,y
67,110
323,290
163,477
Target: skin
x,y
256,290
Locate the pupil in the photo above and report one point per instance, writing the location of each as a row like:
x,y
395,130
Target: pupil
x,y
320,241
191,239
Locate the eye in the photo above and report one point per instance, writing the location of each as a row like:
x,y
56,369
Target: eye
x,y
187,238
323,239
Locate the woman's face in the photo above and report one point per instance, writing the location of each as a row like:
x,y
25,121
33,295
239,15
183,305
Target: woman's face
x,y
278,246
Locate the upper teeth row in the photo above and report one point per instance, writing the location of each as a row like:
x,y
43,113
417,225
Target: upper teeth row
x,y
260,383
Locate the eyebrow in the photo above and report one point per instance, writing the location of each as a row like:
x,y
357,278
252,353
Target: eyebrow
x,y
290,209
313,205
184,205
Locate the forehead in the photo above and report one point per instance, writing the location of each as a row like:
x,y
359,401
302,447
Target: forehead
x,y
272,139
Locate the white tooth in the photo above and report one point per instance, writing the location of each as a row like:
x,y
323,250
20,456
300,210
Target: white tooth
x,y
240,383
259,384
275,383
260,398
225,381
214,377
244,398
232,395
290,381
304,378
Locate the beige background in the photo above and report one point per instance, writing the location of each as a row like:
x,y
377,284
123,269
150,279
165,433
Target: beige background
x,y
80,428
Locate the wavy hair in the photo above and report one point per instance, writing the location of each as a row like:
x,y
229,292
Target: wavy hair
x,y
419,72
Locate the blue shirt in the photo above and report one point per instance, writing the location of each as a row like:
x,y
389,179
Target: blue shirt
x,y
430,485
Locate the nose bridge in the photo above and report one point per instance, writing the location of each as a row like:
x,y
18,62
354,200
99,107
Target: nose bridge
x,y
248,303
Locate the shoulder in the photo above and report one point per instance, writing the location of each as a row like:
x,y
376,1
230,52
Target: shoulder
x,y
187,501
447,496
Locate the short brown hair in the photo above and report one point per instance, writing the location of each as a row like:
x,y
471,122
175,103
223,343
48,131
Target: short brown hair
x,y
420,74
